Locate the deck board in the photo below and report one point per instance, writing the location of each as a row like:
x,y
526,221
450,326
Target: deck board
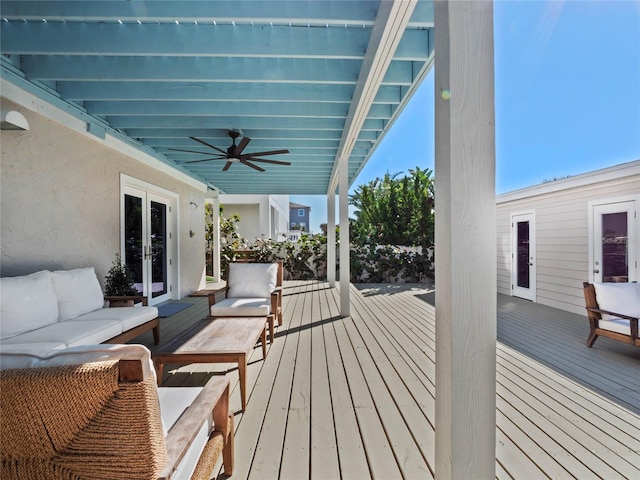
x,y
354,397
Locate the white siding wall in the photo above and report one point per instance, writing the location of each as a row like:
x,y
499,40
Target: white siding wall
x,y
60,203
562,236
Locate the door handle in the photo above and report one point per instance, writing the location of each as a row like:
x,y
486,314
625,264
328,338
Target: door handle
x,y
596,271
147,251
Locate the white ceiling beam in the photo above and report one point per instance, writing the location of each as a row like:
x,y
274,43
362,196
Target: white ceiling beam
x,y
391,22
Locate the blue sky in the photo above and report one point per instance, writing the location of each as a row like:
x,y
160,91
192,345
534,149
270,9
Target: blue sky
x,y
567,97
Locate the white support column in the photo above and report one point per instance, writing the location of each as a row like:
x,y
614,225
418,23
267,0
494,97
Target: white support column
x,y
331,239
217,271
465,241
345,263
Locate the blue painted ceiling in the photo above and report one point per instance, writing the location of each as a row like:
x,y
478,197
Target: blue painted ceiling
x,y
287,74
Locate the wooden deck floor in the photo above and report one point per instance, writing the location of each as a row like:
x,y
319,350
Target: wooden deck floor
x,y
353,398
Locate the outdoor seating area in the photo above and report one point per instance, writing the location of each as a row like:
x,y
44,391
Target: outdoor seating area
x,y
331,397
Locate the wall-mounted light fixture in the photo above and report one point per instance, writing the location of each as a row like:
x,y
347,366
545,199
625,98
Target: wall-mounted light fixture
x,y
194,204
192,233
12,120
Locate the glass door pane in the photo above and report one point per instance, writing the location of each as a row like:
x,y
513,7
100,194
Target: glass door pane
x,y
134,240
158,219
523,255
614,242
615,236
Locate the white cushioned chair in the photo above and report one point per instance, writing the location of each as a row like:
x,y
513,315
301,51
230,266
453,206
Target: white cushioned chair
x,y
252,290
94,411
613,310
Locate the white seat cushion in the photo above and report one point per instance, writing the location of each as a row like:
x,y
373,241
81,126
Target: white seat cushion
x,y
242,307
252,280
621,298
173,402
130,317
618,325
78,292
27,302
71,332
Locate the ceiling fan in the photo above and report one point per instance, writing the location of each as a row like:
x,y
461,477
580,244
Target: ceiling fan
x,y
234,154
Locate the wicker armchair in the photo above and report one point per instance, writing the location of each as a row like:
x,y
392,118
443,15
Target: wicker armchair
x,y
107,420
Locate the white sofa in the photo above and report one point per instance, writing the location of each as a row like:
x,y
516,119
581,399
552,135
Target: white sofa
x,y
95,411
66,308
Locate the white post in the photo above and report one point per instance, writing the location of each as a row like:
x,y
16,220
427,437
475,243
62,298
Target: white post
x,y
465,240
217,272
345,268
331,239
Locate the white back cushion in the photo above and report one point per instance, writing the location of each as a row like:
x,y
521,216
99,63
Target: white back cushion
x,y
53,357
78,292
619,298
26,303
252,279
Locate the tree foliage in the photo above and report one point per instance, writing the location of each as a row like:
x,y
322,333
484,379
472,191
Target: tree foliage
x,y
394,211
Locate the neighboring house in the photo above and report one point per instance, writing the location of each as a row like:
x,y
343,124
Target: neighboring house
x,y
261,216
556,235
299,217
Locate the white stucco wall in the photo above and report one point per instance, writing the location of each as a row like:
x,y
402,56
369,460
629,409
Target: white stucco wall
x,y
60,203
260,215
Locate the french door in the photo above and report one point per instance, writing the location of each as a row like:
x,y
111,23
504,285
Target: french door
x,y
614,242
147,242
523,256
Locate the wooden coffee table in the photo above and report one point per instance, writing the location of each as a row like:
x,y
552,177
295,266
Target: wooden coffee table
x,y
215,341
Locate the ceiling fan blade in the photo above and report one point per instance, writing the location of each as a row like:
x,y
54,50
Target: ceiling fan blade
x,y
266,160
205,160
187,151
209,145
264,154
249,164
243,143
226,166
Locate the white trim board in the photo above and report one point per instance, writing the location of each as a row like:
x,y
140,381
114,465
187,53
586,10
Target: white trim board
x,y
597,176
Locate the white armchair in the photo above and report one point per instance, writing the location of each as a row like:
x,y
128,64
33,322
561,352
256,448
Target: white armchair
x,y
252,290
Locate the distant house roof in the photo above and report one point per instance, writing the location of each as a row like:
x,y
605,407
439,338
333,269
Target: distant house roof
x,y
581,180
297,205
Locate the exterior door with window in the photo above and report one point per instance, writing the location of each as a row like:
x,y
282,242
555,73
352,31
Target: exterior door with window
x,y
523,256
614,241
145,242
